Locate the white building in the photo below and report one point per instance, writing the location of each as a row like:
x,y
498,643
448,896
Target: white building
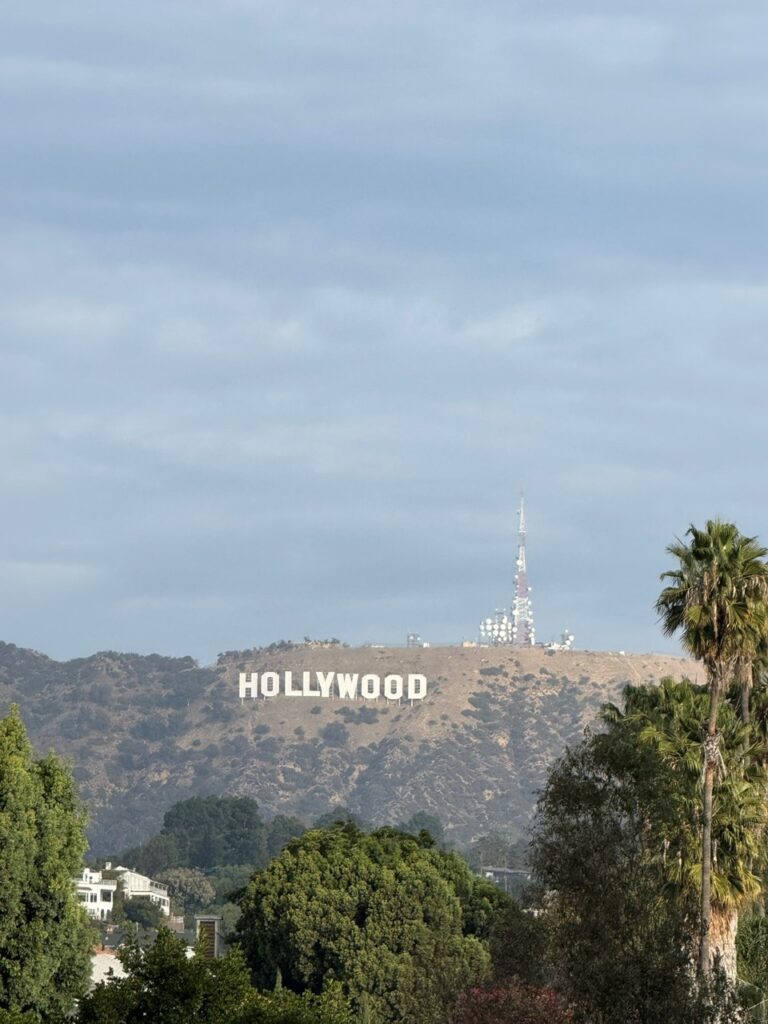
x,y
97,893
136,887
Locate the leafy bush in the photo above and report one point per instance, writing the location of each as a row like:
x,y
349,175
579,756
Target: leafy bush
x,y
366,715
151,729
335,734
514,1004
143,912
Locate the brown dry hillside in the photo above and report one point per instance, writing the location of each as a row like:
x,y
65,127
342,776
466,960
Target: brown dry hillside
x,y
142,732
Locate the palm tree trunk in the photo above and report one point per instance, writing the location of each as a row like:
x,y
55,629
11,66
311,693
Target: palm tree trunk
x,y
710,765
747,682
724,924
706,873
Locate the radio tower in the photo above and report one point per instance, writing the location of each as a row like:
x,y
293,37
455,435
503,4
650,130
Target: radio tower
x,y
523,632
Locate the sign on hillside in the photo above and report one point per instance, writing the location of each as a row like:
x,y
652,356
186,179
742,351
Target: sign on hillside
x,y
345,685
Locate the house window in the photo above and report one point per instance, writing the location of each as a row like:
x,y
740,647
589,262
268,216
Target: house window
x,y
106,895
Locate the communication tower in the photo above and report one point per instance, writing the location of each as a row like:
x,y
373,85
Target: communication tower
x,y
523,631
513,627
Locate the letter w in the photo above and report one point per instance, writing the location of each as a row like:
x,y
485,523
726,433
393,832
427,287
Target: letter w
x,y
347,684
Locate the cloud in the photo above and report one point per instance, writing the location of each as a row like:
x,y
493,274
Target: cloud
x,y
298,297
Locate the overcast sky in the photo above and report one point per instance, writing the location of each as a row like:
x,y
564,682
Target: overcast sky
x,y
298,296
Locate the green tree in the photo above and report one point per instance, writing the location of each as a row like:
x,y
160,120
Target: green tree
x,y
753,954
286,1007
280,831
143,912
379,913
204,833
215,830
165,986
715,599
518,944
45,936
341,815
422,821
160,853
481,900
229,880
668,718
229,884
618,945
188,888
616,848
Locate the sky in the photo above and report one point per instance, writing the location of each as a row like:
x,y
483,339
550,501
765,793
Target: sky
x,y
297,297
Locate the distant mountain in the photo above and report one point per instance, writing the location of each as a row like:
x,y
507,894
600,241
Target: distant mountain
x,y
144,731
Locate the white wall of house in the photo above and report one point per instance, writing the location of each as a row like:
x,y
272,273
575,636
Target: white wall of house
x,y
136,886
97,893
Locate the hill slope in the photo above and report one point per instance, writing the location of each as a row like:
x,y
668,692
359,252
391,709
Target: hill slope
x,y
142,732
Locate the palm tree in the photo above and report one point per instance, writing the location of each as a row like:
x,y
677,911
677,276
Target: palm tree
x,y
752,663
668,718
715,598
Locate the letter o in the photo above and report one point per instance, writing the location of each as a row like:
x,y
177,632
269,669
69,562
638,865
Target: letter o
x,y
370,687
270,684
393,687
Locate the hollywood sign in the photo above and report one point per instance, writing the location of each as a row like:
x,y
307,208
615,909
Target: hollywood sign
x,y
346,685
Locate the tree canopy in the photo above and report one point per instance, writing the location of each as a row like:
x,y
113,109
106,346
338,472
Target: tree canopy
x,y
45,936
400,924
209,832
190,890
715,597
423,821
165,986
616,847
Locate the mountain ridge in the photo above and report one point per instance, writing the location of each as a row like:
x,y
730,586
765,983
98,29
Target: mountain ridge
x,y
142,731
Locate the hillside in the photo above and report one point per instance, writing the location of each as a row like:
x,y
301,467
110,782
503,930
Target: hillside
x,y
143,732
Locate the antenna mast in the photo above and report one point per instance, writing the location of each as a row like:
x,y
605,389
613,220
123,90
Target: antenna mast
x,y
523,631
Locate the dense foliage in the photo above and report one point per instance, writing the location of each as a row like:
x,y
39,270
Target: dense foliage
x,y
618,946
44,933
616,848
397,922
206,833
422,821
142,912
716,597
163,985
190,890
514,1004
497,850
518,945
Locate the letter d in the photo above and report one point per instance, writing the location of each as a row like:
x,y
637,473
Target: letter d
x,y
417,687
